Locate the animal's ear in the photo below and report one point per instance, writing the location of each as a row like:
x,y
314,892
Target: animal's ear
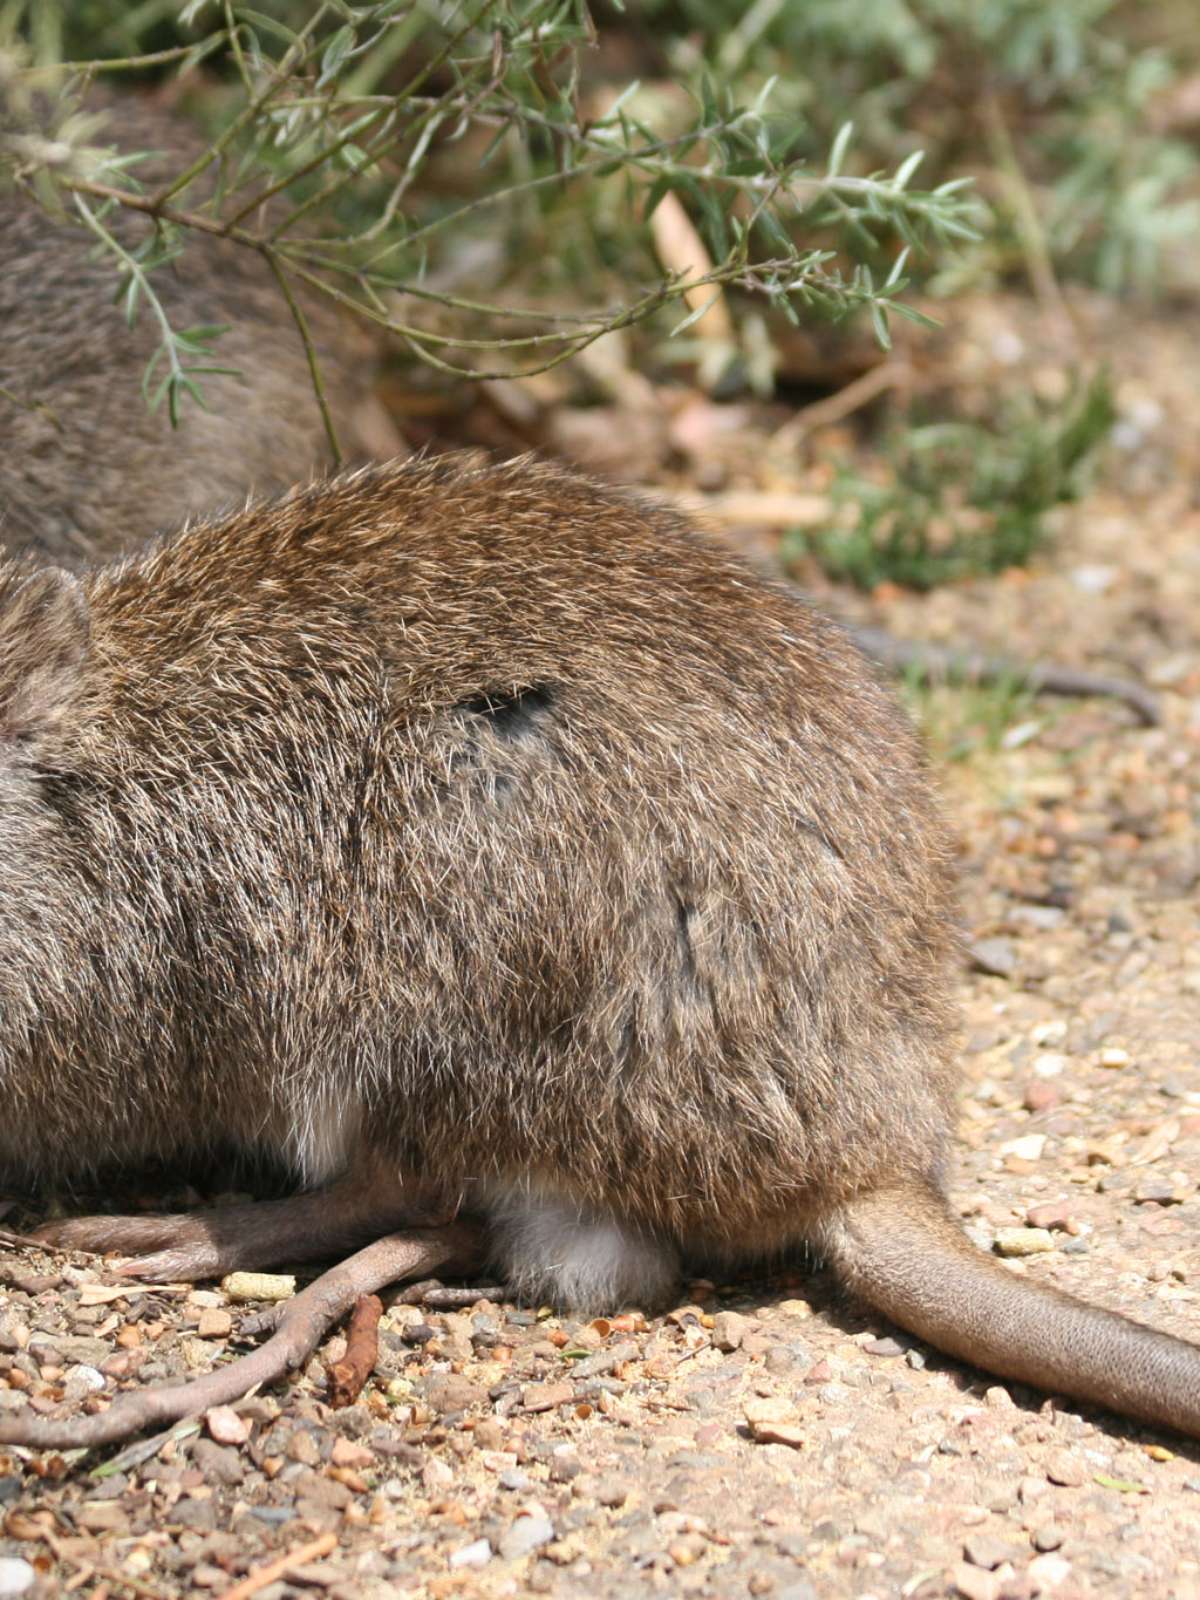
x,y
44,632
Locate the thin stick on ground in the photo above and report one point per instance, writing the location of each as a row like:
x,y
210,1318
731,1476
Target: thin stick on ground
x,y
301,1328
941,663
348,1376
262,1577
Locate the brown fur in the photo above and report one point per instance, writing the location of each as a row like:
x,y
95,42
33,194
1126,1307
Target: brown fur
x,y
484,829
87,470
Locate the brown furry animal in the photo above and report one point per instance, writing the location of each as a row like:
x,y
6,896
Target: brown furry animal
x,y
480,836
87,470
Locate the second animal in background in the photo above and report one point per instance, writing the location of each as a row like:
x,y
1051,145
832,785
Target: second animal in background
x,y
88,470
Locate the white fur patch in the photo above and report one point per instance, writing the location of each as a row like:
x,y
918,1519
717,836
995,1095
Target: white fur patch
x,y
550,1251
324,1140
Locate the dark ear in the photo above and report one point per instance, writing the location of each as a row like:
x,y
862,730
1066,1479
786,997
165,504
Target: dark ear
x,y
44,630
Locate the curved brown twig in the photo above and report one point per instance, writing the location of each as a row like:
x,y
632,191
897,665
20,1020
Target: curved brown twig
x,y
302,1325
945,663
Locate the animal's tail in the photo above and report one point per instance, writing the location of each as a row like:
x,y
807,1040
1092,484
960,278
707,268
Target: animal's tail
x,y
905,1255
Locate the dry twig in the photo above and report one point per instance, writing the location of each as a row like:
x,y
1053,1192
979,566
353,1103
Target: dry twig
x,y
262,1577
347,1376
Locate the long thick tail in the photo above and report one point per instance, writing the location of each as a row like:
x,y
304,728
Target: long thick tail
x,y
905,1255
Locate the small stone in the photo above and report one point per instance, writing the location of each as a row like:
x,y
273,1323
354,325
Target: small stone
x,y
225,1426
1113,1057
1048,1537
436,1475
611,1492
772,1422
1048,1572
214,1324
302,1447
81,1380
527,1534
984,1550
1023,1241
1028,1147
1152,1190
1055,1214
477,1554
246,1286
887,1346
686,1551
217,1462
545,1396
1040,1096
995,957
15,1575
728,1330
1064,1468
997,1398
975,1583
1049,1064
346,1453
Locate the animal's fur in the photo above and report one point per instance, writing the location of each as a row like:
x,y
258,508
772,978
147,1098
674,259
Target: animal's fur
x,y
482,827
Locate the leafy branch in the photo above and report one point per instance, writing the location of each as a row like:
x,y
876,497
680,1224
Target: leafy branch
x,y
328,169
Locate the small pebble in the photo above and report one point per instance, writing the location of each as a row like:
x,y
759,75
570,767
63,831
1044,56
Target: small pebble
x,y
1048,1537
773,1422
1152,1190
728,1330
244,1286
1040,1095
985,1550
1023,1241
476,1554
225,1426
1028,1147
527,1534
15,1575
1048,1572
1064,1468
995,957
886,1346
1113,1057
1056,1214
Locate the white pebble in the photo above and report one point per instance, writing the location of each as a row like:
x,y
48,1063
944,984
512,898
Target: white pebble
x,y
15,1575
477,1554
1028,1147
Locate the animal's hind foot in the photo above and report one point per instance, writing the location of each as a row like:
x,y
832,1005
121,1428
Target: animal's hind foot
x,y
190,1246
263,1234
303,1323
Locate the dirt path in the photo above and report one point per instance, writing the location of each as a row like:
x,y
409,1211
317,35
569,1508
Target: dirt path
x,y
502,1453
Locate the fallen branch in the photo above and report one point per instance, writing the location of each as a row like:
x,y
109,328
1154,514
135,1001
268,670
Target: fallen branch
x,y
348,1376
943,663
859,392
262,1577
302,1326
442,1297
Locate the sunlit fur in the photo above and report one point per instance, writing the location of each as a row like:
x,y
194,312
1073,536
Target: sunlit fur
x,y
488,820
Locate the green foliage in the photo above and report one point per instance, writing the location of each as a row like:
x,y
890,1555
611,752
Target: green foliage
x,y
362,148
962,499
963,721
1046,101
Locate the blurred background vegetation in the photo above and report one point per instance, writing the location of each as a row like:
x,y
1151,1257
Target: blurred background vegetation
x,y
607,231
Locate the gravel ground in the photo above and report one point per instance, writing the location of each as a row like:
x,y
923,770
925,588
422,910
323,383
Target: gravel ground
x,y
766,1438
